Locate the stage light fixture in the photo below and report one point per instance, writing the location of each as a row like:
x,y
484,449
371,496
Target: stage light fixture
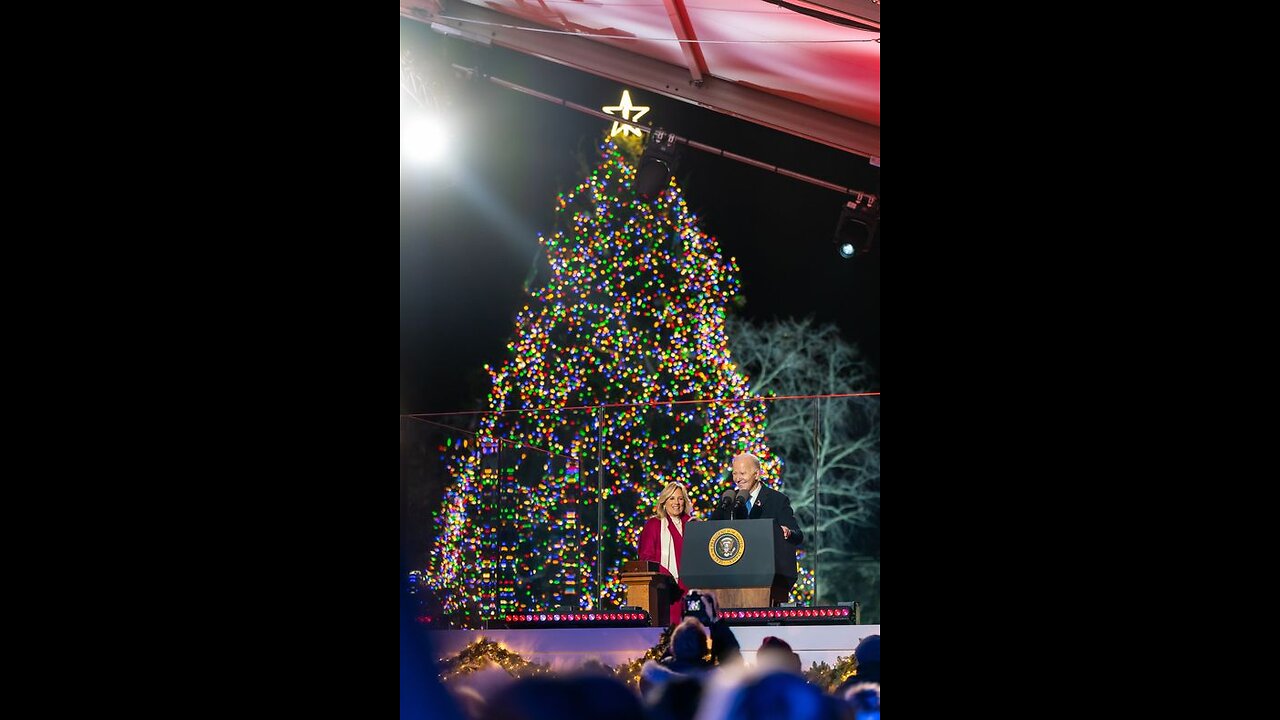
x,y
658,163
790,615
857,226
631,617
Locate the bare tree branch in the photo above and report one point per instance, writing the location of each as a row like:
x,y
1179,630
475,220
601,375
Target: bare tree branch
x,y
800,357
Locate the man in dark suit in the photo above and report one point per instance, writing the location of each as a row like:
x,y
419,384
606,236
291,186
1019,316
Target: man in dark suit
x,y
753,500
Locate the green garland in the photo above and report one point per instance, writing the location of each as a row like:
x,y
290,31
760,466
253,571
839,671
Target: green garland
x,y
483,652
629,673
479,654
829,678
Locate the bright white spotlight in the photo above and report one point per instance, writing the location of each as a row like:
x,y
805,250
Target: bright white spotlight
x,y
423,139
847,250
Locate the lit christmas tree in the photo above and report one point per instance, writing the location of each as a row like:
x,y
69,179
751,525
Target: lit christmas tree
x,y
629,327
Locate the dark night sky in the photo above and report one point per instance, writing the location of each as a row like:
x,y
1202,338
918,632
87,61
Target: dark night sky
x,y
468,231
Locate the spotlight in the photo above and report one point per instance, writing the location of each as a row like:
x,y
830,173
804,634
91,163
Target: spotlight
x,y
657,164
856,229
423,139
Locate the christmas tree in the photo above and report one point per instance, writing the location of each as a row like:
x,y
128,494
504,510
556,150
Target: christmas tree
x,y
610,365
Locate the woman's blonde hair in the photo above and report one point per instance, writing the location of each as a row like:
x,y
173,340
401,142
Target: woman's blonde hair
x,y
666,494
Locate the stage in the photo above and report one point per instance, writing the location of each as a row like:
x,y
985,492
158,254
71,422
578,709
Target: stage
x,y
565,649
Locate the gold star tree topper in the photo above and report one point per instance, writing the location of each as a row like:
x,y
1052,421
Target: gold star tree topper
x,y
626,108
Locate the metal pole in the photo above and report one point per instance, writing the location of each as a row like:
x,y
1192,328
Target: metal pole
x,y
600,511
817,478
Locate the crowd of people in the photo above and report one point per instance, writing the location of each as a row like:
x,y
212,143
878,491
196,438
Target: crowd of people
x,y
701,676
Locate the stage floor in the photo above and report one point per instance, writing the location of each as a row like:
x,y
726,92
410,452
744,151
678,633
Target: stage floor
x,y
567,648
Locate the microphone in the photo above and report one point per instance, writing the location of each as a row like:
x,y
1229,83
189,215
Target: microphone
x,y
739,503
725,501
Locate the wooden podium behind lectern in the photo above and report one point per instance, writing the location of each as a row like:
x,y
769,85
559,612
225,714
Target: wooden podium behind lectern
x,y
651,589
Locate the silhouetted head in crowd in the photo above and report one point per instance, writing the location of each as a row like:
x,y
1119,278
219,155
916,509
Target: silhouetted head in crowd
x,y
776,652
689,641
864,698
780,695
676,699
565,698
868,656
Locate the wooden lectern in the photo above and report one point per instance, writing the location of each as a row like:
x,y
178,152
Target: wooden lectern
x,y
746,562
651,589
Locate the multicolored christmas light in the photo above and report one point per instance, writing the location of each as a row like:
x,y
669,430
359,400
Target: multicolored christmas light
x,y
630,321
